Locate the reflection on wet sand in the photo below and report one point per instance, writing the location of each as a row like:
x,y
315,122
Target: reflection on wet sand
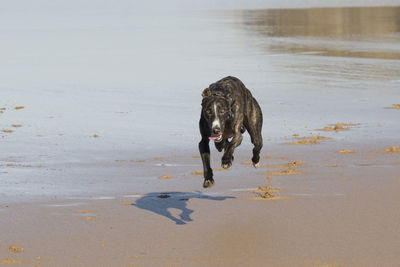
x,y
330,31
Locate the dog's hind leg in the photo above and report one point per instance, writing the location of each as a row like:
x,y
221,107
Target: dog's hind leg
x,y
254,127
257,141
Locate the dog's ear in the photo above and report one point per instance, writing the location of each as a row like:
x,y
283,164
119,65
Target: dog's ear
x,y
206,93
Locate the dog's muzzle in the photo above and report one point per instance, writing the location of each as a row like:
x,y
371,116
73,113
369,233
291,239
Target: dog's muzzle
x,y
216,135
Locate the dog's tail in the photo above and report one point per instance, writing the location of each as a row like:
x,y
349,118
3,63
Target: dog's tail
x,y
242,129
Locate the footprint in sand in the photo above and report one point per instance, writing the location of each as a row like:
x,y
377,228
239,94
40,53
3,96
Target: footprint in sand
x,y
214,169
126,203
308,140
266,192
91,218
394,106
346,151
11,261
290,168
84,211
291,164
392,149
166,177
337,127
284,172
15,249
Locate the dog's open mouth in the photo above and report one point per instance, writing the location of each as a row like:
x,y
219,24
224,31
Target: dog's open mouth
x,y
216,138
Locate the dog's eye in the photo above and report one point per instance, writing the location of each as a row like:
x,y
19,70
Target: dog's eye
x,y
222,111
208,112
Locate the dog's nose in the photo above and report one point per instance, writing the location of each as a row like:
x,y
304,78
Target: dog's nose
x,y
216,130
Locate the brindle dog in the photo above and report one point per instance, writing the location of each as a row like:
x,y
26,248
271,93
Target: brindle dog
x,y
228,110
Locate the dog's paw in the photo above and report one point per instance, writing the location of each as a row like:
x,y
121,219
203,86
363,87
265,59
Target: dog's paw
x,y
226,165
256,165
226,162
208,183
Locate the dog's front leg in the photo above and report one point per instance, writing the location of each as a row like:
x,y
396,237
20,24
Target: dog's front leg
x,y
204,149
227,158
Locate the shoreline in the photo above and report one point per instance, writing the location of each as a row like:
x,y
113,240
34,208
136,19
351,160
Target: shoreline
x,y
118,174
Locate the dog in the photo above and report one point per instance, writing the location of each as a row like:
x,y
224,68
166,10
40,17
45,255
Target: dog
x,y
228,110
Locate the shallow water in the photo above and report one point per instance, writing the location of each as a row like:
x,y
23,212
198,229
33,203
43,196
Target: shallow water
x,y
133,75
331,64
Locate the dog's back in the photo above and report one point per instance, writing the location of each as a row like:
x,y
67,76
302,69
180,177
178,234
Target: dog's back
x,y
228,86
239,96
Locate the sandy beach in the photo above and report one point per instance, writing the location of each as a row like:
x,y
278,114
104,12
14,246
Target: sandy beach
x,y
99,109
335,210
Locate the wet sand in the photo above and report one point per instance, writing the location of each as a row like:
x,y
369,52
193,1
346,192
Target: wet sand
x,y
99,131
320,216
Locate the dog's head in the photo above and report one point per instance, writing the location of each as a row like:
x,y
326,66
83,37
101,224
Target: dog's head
x,y
216,111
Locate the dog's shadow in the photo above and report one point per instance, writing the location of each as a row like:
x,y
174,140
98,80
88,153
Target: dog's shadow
x,y
159,203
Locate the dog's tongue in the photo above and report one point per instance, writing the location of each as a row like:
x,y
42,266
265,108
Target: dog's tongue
x,y
214,137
